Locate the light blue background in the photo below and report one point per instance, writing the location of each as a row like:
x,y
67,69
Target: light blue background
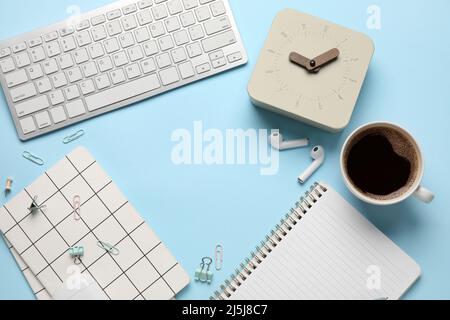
x,y
193,208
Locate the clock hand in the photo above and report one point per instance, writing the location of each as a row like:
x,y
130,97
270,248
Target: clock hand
x,y
323,59
299,60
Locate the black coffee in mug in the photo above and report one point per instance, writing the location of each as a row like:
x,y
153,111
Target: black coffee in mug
x,y
382,162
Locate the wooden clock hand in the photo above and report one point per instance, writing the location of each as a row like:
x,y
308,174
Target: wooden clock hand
x,y
299,60
323,60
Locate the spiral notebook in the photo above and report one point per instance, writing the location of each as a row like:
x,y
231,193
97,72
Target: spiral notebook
x,y
324,249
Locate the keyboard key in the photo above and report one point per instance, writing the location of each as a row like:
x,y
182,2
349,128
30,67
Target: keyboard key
x,y
133,71
129,23
196,32
111,45
50,66
82,25
174,7
98,20
217,8
163,60
68,44
37,54
165,43
186,70
75,108
98,33
160,12
126,40
187,19
172,24
148,65
105,64
19,47
58,114
114,14
131,8
120,59
89,69
87,87
7,65
157,29
23,92
202,14
181,37
217,25
64,32
114,28
102,82
5,52
65,61
142,35
52,49
135,53
96,50
145,4
219,63
71,92
81,56
190,4
83,38
56,97
219,41
51,36
151,48
179,55
16,78
43,120
144,17
169,76
28,125
123,92
203,68
22,60
35,72
194,49
34,42
59,80
216,55
234,57
44,85
32,106
118,76
74,75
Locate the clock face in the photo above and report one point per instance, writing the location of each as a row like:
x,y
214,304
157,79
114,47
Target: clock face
x,y
324,97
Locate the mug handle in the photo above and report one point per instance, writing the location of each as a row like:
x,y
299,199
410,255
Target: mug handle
x,y
424,195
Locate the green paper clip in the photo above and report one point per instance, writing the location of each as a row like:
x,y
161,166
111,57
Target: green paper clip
x,y
77,135
203,274
27,155
108,247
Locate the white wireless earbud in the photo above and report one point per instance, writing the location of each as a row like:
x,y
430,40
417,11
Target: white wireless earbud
x,y
277,142
318,154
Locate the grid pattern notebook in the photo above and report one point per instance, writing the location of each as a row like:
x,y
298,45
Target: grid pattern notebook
x,y
40,241
323,250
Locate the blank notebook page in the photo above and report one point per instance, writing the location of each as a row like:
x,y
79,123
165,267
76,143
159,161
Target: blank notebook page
x,y
331,253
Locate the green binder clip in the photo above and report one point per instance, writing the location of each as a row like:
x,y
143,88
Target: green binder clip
x,y
76,253
203,274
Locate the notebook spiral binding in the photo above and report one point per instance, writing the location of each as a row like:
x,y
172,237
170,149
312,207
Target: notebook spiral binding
x,y
266,246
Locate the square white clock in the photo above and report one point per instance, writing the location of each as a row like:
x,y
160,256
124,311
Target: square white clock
x,y
311,70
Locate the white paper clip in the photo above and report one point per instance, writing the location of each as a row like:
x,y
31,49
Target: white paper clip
x,y
77,207
27,155
108,247
77,135
218,257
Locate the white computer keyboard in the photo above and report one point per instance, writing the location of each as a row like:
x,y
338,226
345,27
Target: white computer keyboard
x,y
112,57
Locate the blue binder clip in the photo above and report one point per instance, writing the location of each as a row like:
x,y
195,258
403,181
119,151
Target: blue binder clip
x,y
203,274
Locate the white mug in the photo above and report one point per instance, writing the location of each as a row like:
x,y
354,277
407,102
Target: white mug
x,y
415,190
